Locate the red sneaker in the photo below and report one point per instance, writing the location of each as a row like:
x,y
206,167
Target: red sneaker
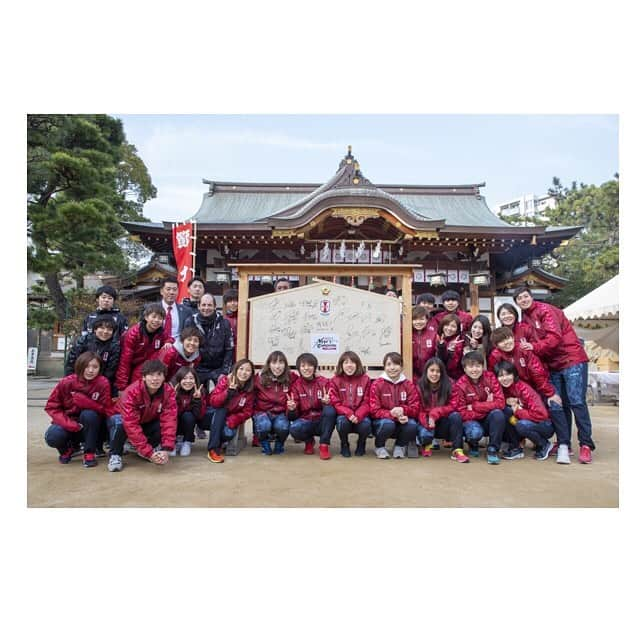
x,y
427,451
458,456
324,452
585,454
255,442
214,456
309,447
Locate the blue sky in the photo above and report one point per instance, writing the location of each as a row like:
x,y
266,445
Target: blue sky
x,y
513,154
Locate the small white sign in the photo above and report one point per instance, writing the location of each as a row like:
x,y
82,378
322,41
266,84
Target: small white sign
x,y
325,343
32,358
463,274
452,275
418,275
60,343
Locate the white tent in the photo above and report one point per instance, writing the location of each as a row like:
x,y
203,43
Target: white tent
x,y
601,303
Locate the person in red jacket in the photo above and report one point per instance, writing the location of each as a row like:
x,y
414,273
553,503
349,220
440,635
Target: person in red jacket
x,y
478,397
230,312
478,338
557,344
508,316
233,400
349,394
449,344
272,388
525,414
77,406
437,415
141,342
451,304
309,407
395,407
190,406
147,417
184,352
423,340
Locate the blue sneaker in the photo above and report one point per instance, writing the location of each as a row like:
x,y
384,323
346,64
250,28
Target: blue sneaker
x,y
514,454
279,448
492,456
474,452
266,447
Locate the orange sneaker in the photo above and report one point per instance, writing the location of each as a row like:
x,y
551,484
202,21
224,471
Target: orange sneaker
x,y
214,457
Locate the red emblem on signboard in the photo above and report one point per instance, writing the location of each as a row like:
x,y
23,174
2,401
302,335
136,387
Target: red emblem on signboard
x,y
325,307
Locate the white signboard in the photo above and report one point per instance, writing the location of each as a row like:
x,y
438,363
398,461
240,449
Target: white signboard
x,y
32,358
325,343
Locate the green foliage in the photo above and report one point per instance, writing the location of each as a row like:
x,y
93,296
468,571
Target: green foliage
x,y
590,258
83,179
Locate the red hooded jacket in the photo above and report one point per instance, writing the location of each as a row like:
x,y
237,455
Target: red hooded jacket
x,y
475,394
423,347
239,403
272,399
72,394
174,358
137,407
136,347
555,341
528,365
384,395
452,360
307,395
532,406
350,395
429,408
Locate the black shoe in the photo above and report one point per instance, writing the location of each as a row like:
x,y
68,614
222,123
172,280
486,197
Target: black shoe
x,y
345,451
360,447
513,454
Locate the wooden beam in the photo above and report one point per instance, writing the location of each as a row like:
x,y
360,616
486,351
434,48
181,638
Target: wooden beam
x,y
243,314
407,326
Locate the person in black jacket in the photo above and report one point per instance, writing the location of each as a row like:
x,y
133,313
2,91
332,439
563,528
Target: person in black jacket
x,y
196,291
105,300
217,350
105,343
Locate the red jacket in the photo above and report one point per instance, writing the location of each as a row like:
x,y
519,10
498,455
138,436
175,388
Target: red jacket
x,y
307,395
532,406
186,402
272,399
137,407
423,347
174,358
555,341
466,319
350,395
522,331
529,367
467,393
72,394
430,409
239,403
384,395
452,360
136,347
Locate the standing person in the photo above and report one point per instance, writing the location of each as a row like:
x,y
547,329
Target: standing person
x,y
233,401
185,352
478,397
147,416
217,349
451,304
190,406
196,291
449,344
105,300
438,416
272,388
395,407
309,407
525,414
105,343
478,337
349,394
230,312
77,406
175,314
423,340
428,301
557,344
282,284
142,342
508,316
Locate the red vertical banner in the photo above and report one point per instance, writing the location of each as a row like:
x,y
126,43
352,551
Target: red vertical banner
x,y
183,250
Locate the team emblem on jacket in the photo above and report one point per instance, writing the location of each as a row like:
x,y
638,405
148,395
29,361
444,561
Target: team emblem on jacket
x,y
487,390
429,343
95,395
359,391
105,356
319,394
160,408
522,363
537,325
403,395
325,307
157,344
242,402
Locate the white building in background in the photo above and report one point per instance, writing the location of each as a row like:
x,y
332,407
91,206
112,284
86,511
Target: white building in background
x,y
526,206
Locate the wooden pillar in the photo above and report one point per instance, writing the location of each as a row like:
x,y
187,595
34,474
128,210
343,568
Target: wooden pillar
x,y
243,313
407,326
475,302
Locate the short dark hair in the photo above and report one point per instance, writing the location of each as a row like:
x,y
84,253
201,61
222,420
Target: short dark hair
x,y
83,362
107,322
196,279
394,356
154,307
500,334
181,373
355,358
472,356
509,307
518,290
153,366
509,367
418,312
229,294
275,284
169,280
191,332
307,358
426,297
450,295
108,289
450,317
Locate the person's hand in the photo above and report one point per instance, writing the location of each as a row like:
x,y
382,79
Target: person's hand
x,y
231,380
526,346
353,418
453,344
512,402
197,392
554,398
166,347
403,419
325,396
396,412
160,457
431,423
291,403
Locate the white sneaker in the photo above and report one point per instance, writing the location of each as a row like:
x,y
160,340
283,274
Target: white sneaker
x,y
562,457
185,449
398,452
382,453
115,463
